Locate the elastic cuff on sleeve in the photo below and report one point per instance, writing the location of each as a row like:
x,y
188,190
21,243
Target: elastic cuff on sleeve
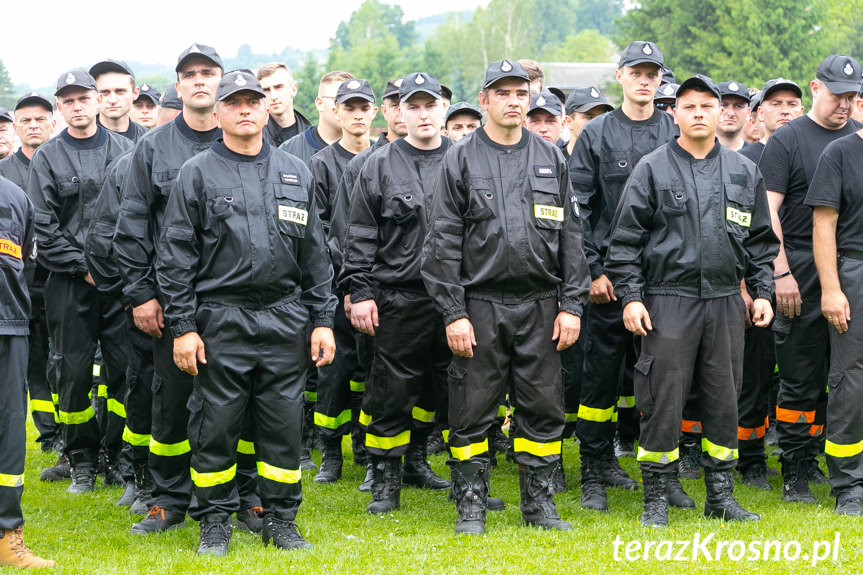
x,y
323,320
363,294
183,327
571,306
453,314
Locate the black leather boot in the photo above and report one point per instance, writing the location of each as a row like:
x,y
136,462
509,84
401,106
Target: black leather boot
x,y
417,472
331,461
386,485
655,513
720,500
537,497
470,492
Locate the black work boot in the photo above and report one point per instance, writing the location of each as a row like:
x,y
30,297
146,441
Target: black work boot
x,y
623,446
57,472
143,489
283,534
250,519
470,492
417,472
814,472
435,443
386,485
111,469
537,497
690,459
366,485
755,475
331,461
358,439
559,478
159,520
613,474
795,477
675,494
215,534
655,513
849,502
83,472
720,500
592,488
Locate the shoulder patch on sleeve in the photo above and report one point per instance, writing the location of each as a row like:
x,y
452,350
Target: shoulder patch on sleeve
x,y
544,171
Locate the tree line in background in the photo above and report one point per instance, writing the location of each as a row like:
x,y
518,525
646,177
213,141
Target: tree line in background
x,y
746,40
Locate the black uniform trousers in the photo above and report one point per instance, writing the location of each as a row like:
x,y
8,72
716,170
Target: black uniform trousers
x,y
752,406
802,349
693,342
139,391
410,363
514,347
844,445
13,432
339,382
572,360
258,358
607,347
41,402
79,318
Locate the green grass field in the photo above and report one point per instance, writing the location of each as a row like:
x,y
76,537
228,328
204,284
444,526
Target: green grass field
x,y
89,534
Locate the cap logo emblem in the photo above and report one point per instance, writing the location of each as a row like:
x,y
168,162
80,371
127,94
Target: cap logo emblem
x,y
33,94
848,69
594,93
398,83
733,86
667,90
353,85
240,81
540,101
70,77
194,48
505,66
420,80
647,49
145,87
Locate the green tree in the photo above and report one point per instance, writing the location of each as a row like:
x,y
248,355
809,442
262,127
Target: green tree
x,y
597,15
7,89
586,46
307,78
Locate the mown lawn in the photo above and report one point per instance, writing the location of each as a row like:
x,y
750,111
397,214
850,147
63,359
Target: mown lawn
x,y
89,534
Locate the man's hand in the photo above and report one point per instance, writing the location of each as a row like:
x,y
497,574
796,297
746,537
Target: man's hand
x,y
364,316
762,312
747,301
636,319
188,351
788,296
567,326
148,317
323,346
348,307
601,290
460,337
89,279
835,307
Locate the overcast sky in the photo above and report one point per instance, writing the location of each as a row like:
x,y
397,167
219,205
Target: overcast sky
x,y
40,41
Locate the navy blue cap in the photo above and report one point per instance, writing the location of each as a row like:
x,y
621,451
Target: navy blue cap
x,y
355,88
586,98
34,99
462,108
238,81
733,88
840,73
147,91
545,100
419,82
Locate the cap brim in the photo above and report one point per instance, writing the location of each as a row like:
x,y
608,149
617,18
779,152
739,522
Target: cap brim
x,y
638,61
780,87
591,105
35,101
551,110
70,86
105,67
355,96
735,94
149,97
842,87
691,82
187,57
416,91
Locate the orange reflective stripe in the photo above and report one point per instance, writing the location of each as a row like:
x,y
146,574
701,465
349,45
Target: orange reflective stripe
x,y
746,433
794,415
10,249
816,430
690,426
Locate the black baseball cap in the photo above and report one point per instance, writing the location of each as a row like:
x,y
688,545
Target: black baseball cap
x,y
199,50
640,52
840,73
503,69
34,99
586,98
419,82
667,76
445,93
666,93
238,81
147,91
5,115
699,80
111,65
462,108
392,88
75,78
545,100
755,100
776,84
733,88
355,88
170,99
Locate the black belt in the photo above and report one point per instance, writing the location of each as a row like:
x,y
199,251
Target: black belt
x,y
853,254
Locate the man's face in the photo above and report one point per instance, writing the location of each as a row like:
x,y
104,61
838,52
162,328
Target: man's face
x,y
423,116
116,94
280,89
577,120
460,125
506,102
356,115
640,82
7,138
545,125
390,112
242,114
831,110
78,106
34,125
697,115
735,110
779,108
145,112
197,82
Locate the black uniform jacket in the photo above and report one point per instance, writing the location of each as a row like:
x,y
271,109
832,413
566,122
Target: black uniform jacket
x,y
243,231
389,219
15,168
65,179
273,131
604,156
692,228
17,248
152,171
505,227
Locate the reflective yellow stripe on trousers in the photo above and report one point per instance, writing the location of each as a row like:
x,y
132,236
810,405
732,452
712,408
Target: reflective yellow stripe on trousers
x,y
169,449
213,478
245,447
658,456
136,439
328,422
717,451
536,448
77,417
278,474
595,414
468,451
841,450
379,442
11,480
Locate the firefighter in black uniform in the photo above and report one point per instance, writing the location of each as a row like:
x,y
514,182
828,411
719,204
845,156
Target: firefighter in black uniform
x,y
115,83
243,266
381,273
66,176
152,171
603,157
691,224
285,121
17,250
34,124
504,263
